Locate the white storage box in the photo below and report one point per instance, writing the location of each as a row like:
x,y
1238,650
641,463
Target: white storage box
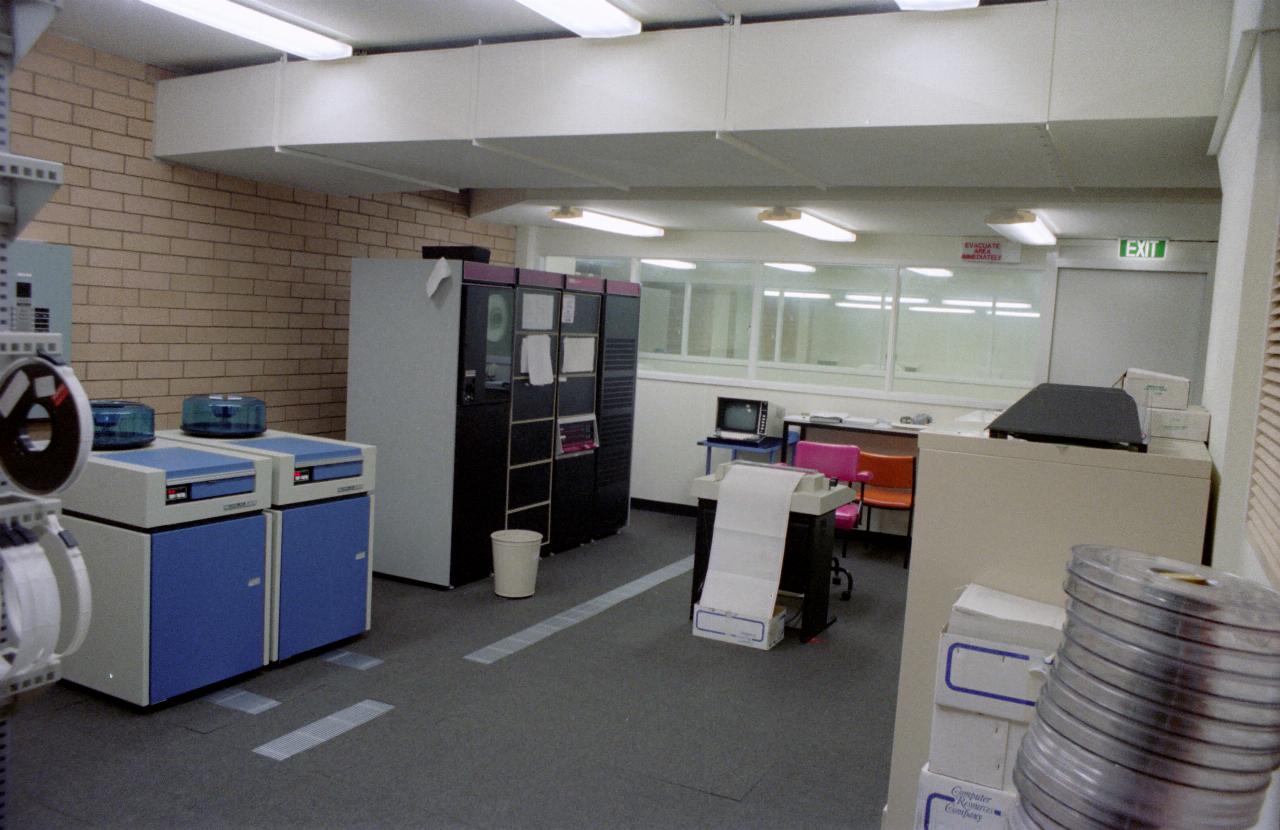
x,y
736,628
991,658
987,614
991,678
1190,424
1157,389
944,803
975,748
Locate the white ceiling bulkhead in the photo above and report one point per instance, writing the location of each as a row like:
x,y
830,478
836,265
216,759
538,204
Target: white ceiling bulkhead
x,y
1041,97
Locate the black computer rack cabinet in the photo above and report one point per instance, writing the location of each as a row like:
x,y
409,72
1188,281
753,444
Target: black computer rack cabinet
x,y
616,405
533,408
485,372
574,473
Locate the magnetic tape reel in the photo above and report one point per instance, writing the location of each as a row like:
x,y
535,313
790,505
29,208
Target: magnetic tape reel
x,y
46,430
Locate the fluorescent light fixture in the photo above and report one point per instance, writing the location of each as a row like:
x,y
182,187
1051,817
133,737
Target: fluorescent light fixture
x,y
969,303
773,293
1021,226
871,306
601,222
1013,305
936,5
932,272
797,221
806,295
912,300
678,264
865,298
247,23
939,310
586,18
798,267
1017,314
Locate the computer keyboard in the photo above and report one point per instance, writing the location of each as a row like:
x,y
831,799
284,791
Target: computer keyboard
x,y
738,437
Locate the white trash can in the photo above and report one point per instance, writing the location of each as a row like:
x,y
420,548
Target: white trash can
x,y
515,562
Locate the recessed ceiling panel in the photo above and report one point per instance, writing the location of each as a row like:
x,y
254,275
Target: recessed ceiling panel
x,y
263,164
654,160
1166,152
1003,155
456,164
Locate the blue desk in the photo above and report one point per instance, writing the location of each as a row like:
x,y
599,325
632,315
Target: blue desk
x,y
770,446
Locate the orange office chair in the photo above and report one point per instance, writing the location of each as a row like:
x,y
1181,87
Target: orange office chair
x,y
838,461
894,488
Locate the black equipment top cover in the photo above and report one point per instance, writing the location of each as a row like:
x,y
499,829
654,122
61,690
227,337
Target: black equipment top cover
x,y
1091,416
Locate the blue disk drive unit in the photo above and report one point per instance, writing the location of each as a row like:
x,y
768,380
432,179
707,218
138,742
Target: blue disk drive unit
x,y
175,542
320,524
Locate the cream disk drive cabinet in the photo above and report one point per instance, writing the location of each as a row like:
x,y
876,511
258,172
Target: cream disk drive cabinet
x,y
175,544
429,376
1004,514
321,528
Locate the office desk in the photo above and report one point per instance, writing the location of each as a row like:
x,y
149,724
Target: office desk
x,y
870,435
772,447
806,560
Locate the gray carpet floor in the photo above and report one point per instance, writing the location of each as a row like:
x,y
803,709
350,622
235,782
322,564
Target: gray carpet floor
x,y
623,720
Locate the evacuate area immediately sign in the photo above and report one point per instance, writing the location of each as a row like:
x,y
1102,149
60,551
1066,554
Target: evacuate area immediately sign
x,y
1143,248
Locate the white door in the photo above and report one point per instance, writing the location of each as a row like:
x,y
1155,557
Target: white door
x,y
1108,321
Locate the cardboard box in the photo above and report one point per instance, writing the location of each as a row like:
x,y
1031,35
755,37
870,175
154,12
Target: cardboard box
x,y
991,678
976,748
987,614
944,803
1190,424
736,628
1157,389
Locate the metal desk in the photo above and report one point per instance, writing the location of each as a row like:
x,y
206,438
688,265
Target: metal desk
x,y
870,435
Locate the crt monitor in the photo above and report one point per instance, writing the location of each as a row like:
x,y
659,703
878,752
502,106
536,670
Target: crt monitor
x,y
743,418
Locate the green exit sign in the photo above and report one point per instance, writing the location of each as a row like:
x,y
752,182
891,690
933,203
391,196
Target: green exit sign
x,y
1143,248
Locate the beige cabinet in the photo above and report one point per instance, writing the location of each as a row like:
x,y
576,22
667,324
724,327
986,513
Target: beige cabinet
x,y
1005,513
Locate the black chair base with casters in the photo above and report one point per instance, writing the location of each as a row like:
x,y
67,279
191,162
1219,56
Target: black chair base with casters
x,y
836,570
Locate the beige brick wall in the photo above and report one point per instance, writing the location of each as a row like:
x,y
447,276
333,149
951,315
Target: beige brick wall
x,y
188,282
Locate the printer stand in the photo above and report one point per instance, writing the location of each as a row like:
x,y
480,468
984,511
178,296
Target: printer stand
x,y
806,564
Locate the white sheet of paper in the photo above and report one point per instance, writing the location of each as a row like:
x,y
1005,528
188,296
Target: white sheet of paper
x,y
535,357
439,273
537,312
748,540
568,306
578,354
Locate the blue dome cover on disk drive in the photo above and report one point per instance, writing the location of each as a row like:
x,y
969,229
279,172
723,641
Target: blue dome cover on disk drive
x,y
122,425
224,416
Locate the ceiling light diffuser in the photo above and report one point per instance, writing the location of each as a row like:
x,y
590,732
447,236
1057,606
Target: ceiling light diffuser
x,y
601,222
586,18
936,5
797,221
1021,226
932,272
798,267
678,264
247,23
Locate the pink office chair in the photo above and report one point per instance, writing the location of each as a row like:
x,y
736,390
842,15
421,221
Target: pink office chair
x,y
838,461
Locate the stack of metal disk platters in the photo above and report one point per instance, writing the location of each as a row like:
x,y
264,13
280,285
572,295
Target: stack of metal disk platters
x,y
1162,708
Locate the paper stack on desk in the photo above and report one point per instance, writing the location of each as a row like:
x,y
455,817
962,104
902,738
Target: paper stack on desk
x,y
740,593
